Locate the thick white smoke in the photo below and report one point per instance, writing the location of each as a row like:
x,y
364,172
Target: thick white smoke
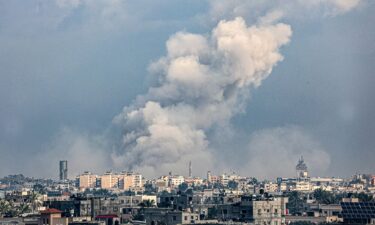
x,y
203,81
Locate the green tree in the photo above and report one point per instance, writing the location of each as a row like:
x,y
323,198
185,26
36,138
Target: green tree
x,y
147,203
4,207
23,208
183,187
39,188
149,189
363,197
232,184
34,201
12,210
324,197
253,181
296,202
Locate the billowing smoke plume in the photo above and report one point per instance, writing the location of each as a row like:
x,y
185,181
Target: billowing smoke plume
x,y
203,82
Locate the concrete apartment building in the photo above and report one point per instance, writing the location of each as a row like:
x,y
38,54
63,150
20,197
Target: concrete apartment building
x,y
135,200
175,180
130,181
109,180
154,216
87,180
254,209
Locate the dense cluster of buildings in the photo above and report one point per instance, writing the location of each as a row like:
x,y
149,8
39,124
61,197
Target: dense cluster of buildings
x,y
111,181
129,198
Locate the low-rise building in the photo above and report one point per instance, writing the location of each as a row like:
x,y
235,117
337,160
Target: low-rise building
x,y
154,216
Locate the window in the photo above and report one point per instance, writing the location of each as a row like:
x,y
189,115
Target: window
x,y
174,218
186,217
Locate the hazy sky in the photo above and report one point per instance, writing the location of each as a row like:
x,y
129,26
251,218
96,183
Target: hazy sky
x,y
250,94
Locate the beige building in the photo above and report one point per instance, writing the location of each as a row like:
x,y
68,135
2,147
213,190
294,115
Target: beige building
x,y
110,180
155,216
271,187
303,186
269,211
176,180
130,181
257,210
135,200
52,217
87,180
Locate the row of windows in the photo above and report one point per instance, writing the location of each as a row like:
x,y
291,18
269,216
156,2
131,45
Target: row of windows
x,y
266,210
174,218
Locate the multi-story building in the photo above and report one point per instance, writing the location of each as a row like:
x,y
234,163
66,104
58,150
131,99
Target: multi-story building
x,y
257,210
303,186
154,216
271,187
175,180
224,179
63,170
135,200
130,181
87,180
109,180
268,212
161,183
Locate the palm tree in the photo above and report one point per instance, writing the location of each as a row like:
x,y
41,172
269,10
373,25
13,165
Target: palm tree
x,y
35,201
12,211
23,208
4,207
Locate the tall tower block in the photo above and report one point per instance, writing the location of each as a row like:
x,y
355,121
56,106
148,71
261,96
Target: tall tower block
x,y
63,172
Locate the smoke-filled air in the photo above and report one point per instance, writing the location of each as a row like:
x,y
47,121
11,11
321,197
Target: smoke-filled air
x,y
148,86
203,81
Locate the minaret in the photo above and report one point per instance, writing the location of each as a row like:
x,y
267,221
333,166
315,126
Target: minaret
x,y
209,177
301,169
190,173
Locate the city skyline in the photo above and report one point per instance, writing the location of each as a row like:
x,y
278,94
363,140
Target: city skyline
x,y
150,86
301,171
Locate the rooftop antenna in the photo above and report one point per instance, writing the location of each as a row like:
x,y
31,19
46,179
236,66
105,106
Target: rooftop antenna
x,y
190,172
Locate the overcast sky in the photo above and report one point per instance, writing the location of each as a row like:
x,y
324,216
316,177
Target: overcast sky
x,y
73,73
